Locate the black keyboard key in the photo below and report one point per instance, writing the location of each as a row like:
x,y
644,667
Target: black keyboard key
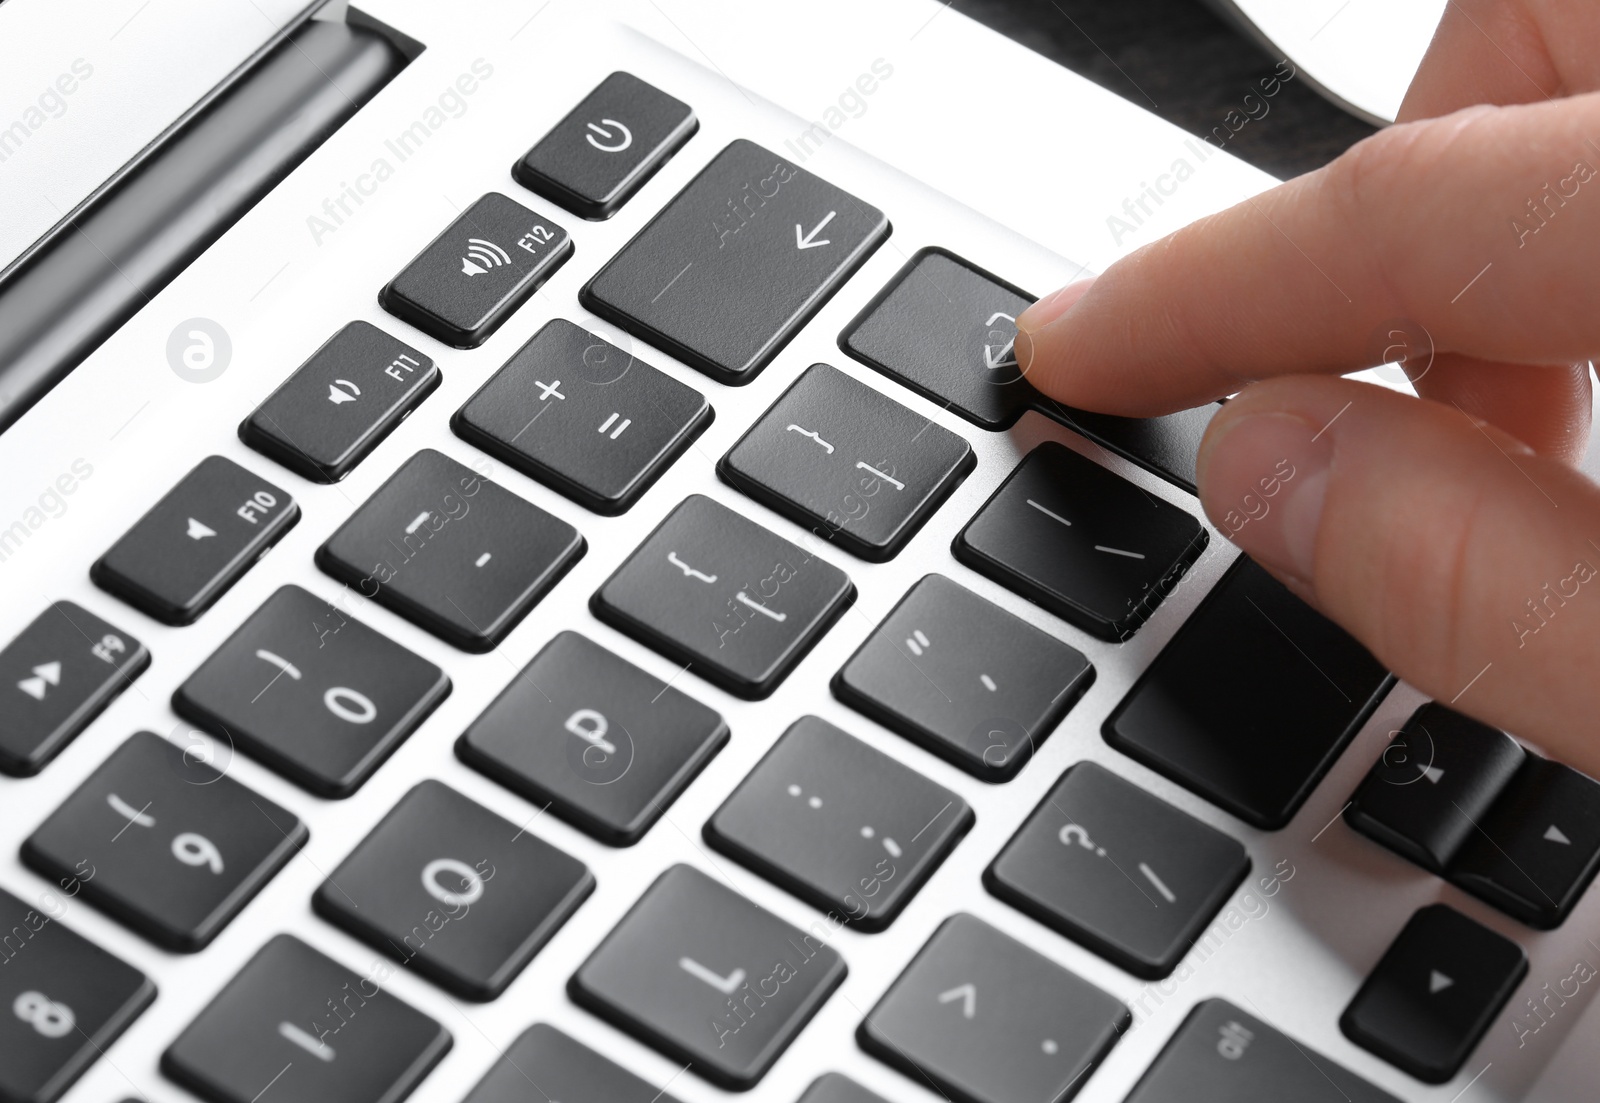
x,y
63,1001
1222,1055
945,329
176,848
607,147
1121,871
1084,543
57,675
341,403
1251,701
1434,993
702,974
1166,446
739,260
584,417
844,827
987,1020
544,1065
957,674
319,697
196,542
833,1087
590,736
308,1028
718,592
448,549
1536,851
472,277
455,892
1433,785
847,462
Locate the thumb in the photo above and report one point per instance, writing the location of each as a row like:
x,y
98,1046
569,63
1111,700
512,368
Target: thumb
x,y
1468,564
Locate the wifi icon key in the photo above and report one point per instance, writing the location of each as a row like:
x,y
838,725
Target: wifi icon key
x,y
475,274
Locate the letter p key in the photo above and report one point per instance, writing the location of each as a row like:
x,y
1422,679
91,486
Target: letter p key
x,y
591,727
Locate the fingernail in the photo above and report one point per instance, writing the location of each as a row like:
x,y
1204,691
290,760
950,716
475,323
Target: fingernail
x,y
1052,306
1263,480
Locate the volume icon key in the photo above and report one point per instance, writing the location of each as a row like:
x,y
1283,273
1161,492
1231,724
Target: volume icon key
x,y
481,256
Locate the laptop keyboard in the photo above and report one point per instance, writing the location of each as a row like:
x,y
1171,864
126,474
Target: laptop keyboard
x,y
1247,706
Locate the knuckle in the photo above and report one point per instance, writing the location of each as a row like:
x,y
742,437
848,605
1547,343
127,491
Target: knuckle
x,y
1364,178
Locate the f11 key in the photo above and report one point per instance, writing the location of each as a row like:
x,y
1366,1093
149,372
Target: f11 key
x,y
340,404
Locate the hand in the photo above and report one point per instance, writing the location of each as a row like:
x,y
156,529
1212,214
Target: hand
x,y
1449,532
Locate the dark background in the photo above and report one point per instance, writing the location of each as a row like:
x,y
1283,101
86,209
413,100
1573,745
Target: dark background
x,y
1179,60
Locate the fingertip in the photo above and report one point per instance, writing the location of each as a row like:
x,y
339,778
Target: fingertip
x,y
1052,306
1041,340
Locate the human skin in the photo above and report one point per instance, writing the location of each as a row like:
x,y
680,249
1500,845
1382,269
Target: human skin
x,y
1449,532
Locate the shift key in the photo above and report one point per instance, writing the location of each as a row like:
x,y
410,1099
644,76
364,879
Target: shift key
x,y
473,276
739,260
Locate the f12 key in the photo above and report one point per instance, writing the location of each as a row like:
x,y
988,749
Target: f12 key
x,y
473,276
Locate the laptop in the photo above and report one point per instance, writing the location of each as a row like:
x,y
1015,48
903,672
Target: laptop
x,y
531,572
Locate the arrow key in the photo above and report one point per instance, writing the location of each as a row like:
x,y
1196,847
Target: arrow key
x,y
985,1019
1433,784
1434,993
1538,847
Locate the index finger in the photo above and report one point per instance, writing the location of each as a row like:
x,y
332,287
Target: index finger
x,y
1477,228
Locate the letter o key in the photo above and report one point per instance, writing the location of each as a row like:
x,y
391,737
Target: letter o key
x,y
470,894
